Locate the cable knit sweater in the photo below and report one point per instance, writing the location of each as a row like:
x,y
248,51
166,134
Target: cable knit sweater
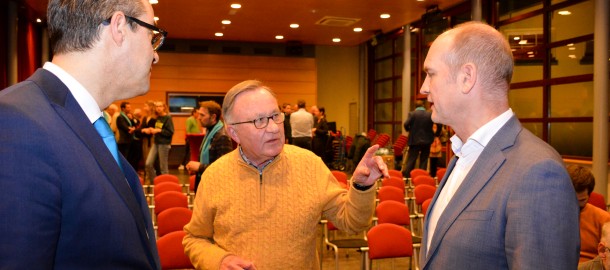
x,y
270,218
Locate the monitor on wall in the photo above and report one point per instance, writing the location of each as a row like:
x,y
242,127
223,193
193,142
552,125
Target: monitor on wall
x,y
184,103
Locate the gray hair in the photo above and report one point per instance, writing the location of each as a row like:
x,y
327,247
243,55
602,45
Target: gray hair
x,y
75,25
245,86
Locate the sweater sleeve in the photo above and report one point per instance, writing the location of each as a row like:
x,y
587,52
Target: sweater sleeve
x,y
349,210
198,243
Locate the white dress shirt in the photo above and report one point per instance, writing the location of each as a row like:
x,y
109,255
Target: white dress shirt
x,y
82,96
467,154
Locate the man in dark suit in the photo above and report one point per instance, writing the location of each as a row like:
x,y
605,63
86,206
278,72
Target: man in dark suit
x,y
506,201
125,128
69,200
419,125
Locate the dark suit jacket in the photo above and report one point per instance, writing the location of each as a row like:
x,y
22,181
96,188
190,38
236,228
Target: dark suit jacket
x,y
516,209
123,126
419,125
65,202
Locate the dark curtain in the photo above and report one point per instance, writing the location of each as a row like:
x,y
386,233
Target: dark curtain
x,y
28,48
3,44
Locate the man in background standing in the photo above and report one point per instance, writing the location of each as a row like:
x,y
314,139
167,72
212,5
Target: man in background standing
x,y
287,109
301,123
419,125
125,128
216,142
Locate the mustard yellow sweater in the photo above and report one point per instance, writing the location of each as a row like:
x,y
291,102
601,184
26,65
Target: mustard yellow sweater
x,y
270,218
591,221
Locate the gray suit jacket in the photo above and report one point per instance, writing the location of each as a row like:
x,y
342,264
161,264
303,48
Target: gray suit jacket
x,y
516,209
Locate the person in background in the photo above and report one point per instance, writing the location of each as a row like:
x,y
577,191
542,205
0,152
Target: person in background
x,y
592,218
136,144
504,182
419,125
602,260
162,141
70,200
435,149
216,142
301,123
264,191
125,128
110,112
193,126
287,110
320,134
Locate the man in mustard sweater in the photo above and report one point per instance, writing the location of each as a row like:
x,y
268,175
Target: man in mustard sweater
x,y
263,200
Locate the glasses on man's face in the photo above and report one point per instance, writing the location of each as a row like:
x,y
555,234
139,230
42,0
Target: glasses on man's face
x,y
158,33
262,122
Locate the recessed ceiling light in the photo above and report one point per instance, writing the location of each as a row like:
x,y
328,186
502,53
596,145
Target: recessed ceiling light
x,y
235,5
294,25
358,29
523,42
156,18
571,44
530,52
38,20
336,40
226,22
218,34
516,38
152,2
530,56
279,37
384,16
572,48
564,12
572,56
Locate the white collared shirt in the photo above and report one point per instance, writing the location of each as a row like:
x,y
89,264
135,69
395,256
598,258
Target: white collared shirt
x,y
82,96
467,154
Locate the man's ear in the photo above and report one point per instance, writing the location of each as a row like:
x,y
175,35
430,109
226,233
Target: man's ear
x,y
467,77
232,133
118,27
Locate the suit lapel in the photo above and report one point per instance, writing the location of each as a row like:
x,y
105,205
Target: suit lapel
x,y
70,111
489,162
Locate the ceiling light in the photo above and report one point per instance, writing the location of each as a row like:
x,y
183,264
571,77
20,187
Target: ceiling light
x,y
336,40
523,42
279,37
572,48
516,38
156,18
572,56
358,29
294,25
564,12
235,6
531,56
571,44
152,2
530,52
218,34
384,16
226,22
38,20
415,30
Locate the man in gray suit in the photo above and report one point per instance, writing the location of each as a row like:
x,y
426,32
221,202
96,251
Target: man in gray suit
x,y
507,201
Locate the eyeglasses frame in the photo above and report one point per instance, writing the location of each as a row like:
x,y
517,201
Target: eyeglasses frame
x,y
146,25
264,117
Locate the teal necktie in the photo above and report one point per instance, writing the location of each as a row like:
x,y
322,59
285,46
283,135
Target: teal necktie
x,y
104,130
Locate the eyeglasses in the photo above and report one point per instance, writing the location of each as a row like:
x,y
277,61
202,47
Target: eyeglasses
x,y
158,33
262,122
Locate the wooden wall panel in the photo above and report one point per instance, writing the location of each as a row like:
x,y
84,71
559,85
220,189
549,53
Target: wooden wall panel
x,y
290,78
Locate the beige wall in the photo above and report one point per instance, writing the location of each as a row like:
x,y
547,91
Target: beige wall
x,y
290,78
338,82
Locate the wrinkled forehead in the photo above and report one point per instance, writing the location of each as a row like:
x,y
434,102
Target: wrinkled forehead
x,y
255,103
